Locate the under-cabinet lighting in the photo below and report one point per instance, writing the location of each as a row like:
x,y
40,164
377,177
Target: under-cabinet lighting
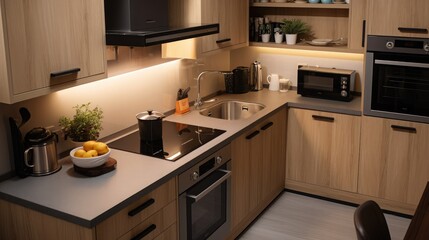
x,y
311,53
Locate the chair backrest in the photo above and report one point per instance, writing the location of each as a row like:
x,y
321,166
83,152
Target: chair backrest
x,y
370,222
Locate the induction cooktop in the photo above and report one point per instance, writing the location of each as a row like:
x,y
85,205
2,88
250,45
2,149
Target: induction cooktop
x,y
177,140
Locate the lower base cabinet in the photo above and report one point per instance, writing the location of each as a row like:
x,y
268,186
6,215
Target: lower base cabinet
x,y
154,216
323,149
258,163
394,162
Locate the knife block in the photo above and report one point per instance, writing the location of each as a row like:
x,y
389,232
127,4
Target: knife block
x,y
182,106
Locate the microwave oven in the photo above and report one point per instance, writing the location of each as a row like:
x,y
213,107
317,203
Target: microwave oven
x,y
326,83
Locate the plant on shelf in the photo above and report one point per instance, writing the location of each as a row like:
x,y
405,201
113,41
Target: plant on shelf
x,y
265,31
85,124
293,27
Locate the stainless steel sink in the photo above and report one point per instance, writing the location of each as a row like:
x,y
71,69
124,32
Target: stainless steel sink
x,y
232,110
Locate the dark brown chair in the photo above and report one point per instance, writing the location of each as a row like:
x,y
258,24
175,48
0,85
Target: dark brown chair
x,y
370,222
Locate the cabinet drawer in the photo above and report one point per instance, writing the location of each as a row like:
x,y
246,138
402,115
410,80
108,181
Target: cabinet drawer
x,y
137,212
155,225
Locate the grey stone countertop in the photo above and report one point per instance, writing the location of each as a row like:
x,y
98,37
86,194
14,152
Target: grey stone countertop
x,y
89,200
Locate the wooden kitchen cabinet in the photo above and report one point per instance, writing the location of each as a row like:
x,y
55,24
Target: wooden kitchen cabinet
x,y
327,21
232,16
398,18
42,38
394,159
158,208
156,212
323,149
258,163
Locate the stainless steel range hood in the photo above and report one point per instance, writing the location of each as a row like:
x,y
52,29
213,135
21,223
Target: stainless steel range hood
x,y
145,22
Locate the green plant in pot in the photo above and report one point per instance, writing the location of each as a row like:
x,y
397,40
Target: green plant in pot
x,y
85,124
292,28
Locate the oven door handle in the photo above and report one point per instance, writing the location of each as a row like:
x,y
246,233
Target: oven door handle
x,y
211,187
403,64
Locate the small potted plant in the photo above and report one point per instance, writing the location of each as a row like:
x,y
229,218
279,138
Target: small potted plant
x,y
85,124
292,27
265,32
278,35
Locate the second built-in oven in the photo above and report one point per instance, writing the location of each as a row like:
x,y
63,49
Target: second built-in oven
x,y
204,198
397,78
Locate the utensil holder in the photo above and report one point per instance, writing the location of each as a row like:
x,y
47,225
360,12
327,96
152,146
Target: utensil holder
x,y
182,106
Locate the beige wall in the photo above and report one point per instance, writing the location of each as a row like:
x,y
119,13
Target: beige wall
x,y
155,87
121,97
285,61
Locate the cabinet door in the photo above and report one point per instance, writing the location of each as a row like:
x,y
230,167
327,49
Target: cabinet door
x,y
232,18
52,36
246,165
274,156
394,159
385,17
323,149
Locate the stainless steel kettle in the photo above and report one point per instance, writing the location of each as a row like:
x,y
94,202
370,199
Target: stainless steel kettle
x,y
256,76
41,153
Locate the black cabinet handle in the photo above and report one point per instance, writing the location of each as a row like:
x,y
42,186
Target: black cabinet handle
x,y
323,118
144,232
363,32
252,135
404,129
266,126
66,72
412,30
223,40
142,207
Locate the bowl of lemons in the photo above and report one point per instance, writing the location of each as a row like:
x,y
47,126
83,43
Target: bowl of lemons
x,y
92,154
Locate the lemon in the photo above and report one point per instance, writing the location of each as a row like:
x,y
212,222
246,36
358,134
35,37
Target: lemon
x,y
88,145
79,153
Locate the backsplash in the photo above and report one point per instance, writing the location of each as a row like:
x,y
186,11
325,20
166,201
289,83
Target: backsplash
x,y
121,97
285,61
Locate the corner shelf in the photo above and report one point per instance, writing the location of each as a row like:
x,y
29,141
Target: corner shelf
x,y
302,5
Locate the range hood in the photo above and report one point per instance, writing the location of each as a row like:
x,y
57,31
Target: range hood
x,y
146,22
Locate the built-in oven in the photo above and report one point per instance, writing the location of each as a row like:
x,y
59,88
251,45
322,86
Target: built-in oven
x,y
205,198
397,78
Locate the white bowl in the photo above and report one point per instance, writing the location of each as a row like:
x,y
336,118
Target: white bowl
x,y
89,162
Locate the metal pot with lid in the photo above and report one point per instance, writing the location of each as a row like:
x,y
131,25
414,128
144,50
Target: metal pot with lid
x,y
41,153
150,125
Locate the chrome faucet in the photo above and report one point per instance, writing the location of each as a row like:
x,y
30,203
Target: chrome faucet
x,y
198,102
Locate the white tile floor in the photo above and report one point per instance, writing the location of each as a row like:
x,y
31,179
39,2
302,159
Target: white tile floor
x,y
298,217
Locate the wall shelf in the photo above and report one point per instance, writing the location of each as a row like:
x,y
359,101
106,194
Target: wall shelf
x,y
304,46
301,5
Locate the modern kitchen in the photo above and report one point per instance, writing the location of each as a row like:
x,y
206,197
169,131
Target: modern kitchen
x,y
210,115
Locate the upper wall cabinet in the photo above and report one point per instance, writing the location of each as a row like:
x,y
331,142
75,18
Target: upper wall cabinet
x,y
232,16
49,45
343,22
398,18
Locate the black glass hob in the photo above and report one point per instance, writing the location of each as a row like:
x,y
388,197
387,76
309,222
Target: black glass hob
x,y
177,140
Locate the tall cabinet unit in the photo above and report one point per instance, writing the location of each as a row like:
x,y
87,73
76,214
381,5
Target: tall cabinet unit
x,y
258,165
394,160
322,150
50,45
398,18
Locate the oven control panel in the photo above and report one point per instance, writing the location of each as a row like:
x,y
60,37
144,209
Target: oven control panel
x,y
204,168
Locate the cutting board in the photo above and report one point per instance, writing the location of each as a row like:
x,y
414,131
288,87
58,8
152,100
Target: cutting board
x,y
108,166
